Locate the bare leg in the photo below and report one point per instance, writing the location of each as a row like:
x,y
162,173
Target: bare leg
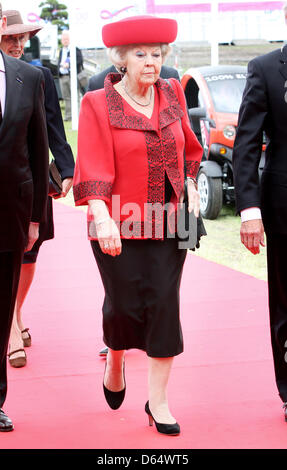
x,y
15,341
114,380
26,278
158,375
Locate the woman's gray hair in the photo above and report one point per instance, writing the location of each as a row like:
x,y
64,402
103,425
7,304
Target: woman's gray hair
x,y
117,54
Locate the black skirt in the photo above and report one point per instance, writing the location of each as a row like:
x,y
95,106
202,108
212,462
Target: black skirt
x,y
141,304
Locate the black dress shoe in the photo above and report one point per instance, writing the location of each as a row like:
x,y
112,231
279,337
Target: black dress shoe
x,y
103,352
163,428
6,424
115,399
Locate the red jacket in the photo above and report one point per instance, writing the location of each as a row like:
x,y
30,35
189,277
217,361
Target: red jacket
x,y
122,153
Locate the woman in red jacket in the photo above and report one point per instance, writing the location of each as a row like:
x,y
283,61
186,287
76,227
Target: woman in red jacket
x,y
131,143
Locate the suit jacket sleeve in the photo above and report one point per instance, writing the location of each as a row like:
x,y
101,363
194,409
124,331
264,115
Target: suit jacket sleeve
x,y
37,139
79,60
169,72
97,81
58,144
60,58
248,143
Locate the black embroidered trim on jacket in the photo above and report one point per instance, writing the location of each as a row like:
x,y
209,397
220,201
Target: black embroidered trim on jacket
x,y
174,109
116,108
170,160
156,179
192,168
92,188
171,113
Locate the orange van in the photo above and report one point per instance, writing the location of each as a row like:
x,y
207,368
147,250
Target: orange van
x,y
214,95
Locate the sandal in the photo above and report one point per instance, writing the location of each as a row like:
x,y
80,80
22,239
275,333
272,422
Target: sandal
x,y
18,361
26,341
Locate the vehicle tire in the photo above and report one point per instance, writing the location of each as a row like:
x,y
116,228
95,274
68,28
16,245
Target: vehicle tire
x,y
210,191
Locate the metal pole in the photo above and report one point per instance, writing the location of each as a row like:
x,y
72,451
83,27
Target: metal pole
x,y
73,66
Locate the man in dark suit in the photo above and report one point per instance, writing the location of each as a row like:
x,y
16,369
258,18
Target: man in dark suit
x,y
64,160
64,71
24,159
96,82
264,207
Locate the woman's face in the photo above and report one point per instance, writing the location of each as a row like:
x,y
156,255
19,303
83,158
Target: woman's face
x,y
13,44
143,64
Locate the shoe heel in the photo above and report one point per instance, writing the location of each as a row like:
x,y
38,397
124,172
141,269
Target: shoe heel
x,y
150,420
26,341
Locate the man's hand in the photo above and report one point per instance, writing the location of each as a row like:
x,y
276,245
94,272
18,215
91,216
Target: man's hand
x,y
252,235
66,186
33,235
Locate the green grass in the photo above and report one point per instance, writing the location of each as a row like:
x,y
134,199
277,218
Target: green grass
x,y
71,137
222,243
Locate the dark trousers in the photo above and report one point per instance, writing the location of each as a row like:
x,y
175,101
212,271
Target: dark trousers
x,y
10,267
277,284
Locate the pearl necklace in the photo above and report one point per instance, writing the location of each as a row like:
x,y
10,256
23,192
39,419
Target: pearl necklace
x,y
130,96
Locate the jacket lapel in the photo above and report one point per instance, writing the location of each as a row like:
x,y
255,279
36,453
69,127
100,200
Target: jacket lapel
x,y
283,60
169,107
14,83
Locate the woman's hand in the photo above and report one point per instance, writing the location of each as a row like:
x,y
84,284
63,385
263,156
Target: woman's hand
x,y
33,235
109,237
107,231
193,197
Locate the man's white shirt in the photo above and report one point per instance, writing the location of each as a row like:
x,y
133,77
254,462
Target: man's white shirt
x,y
63,70
250,214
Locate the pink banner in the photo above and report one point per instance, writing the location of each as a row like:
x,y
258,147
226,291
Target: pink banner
x,y
152,7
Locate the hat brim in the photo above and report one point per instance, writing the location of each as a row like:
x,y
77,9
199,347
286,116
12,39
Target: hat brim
x,y
139,30
20,29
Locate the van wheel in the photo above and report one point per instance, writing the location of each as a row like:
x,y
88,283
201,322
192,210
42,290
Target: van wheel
x,y
210,191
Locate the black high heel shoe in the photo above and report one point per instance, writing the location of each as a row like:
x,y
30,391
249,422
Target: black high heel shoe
x,y
115,399
170,429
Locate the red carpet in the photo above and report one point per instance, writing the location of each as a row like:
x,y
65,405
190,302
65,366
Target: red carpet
x,y
222,388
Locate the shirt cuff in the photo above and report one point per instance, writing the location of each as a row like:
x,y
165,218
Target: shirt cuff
x,y
250,214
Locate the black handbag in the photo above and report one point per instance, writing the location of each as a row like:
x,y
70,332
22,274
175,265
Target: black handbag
x,y
189,228
55,181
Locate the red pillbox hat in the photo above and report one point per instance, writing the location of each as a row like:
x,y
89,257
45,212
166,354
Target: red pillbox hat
x,y
139,30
